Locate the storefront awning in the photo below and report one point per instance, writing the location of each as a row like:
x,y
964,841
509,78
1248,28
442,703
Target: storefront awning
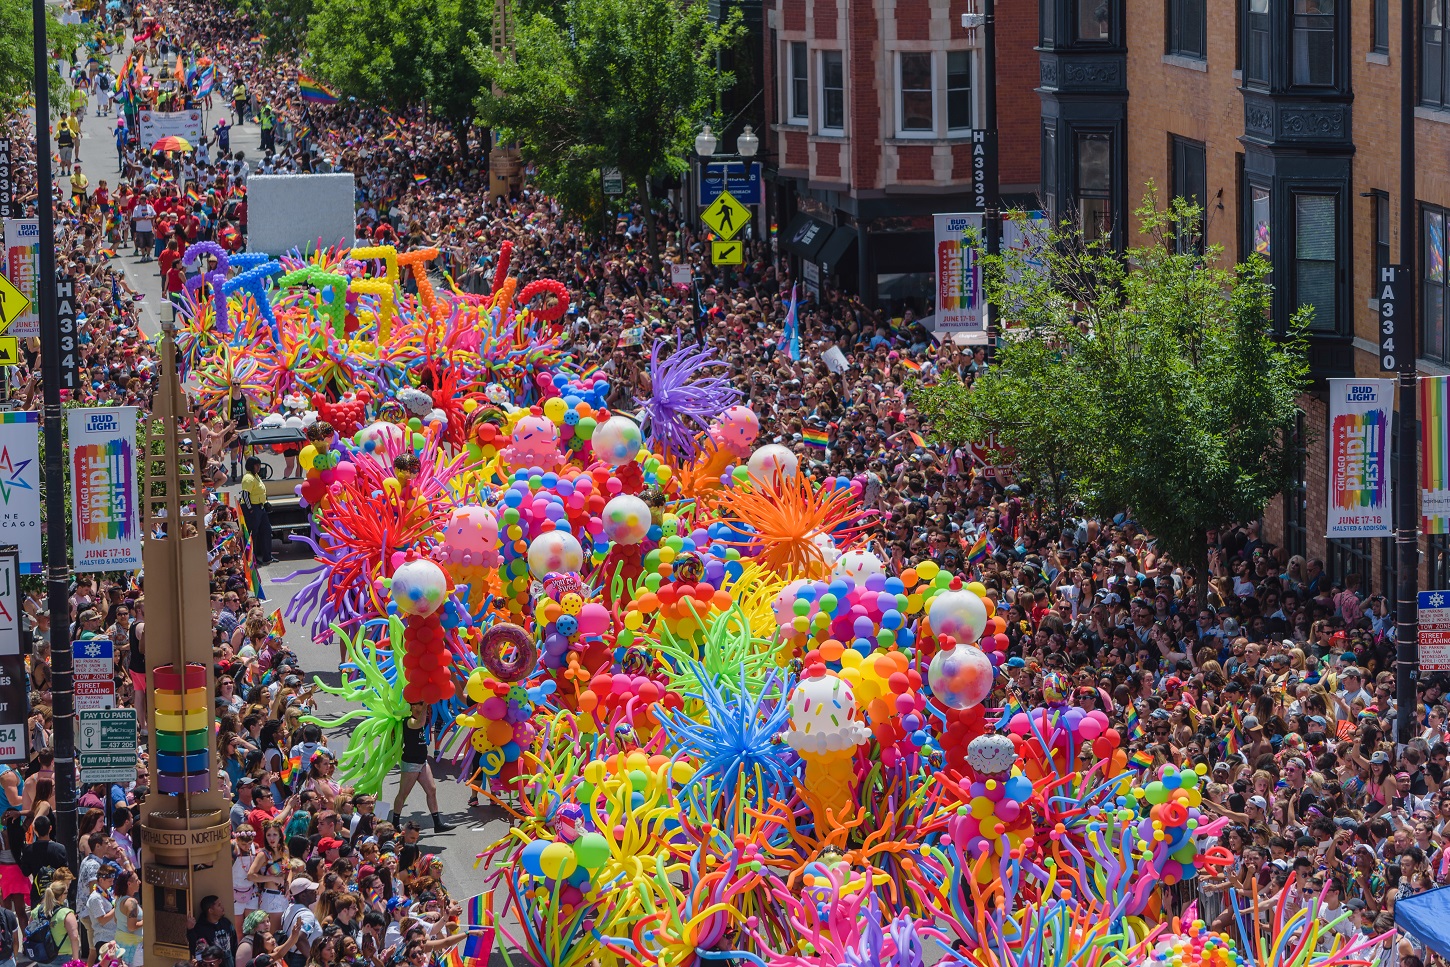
x,y
806,236
834,252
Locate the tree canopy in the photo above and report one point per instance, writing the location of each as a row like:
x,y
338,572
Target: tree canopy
x,y
607,83
1149,381
400,52
17,59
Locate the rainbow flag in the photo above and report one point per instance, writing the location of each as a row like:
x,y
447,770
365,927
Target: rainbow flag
x,y
980,550
912,365
1140,760
192,194
816,439
278,628
249,560
314,91
477,922
108,253
918,439
290,768
1130,721
1435,445
420,179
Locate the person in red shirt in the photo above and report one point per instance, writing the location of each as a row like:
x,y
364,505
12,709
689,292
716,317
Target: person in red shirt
x,y
168,257
174,285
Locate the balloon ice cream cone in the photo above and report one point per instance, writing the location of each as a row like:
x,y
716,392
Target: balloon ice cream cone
x,y
825,728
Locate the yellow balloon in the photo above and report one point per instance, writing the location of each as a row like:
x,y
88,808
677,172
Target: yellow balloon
x,y
977,588
306,456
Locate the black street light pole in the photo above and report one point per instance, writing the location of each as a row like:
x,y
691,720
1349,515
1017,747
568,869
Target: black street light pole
x,y
986,187
57,541
1407,532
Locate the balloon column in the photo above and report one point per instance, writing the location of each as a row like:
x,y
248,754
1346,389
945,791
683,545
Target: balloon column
x,y
419,588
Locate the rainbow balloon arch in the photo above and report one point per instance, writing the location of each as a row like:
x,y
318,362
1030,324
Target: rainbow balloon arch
x,y
725,728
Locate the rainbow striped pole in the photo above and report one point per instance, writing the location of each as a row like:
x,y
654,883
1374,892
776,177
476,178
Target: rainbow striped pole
x,y
183,758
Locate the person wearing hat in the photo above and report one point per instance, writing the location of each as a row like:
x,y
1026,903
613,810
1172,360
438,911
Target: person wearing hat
x,y
100,907
304,894
254,509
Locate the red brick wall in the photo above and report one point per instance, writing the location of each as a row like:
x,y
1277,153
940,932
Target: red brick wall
x,y
797,151
828,160
913,20
825,13
793,14
1019,110
864,106
914,163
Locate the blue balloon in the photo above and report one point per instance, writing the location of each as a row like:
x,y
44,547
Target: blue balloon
x,y
531,855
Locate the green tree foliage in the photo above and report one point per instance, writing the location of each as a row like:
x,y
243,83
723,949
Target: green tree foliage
x,y
17,59
401,52
1150,382
620,83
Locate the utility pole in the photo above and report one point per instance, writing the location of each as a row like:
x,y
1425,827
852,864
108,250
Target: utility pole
x,y
987,188
57,540
1407,530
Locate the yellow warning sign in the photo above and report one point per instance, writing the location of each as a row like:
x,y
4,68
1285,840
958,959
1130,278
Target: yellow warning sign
x,y
13,303
725,216
727,253
9,351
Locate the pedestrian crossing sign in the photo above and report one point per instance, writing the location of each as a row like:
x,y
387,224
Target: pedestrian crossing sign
x,y
13,303
727,253
725,216
9,351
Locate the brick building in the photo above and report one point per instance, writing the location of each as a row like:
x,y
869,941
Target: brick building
x,y
1282,118
871,106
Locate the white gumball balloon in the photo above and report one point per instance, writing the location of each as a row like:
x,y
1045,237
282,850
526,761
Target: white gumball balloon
x,y
771,457
960,614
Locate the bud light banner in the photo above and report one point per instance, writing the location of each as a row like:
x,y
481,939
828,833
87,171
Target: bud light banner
x,y
959,277
1360,412
106,519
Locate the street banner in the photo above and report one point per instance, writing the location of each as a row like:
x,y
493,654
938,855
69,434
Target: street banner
x,y
1435,454
22,268
1360,413
156,125
959,277
20,486
106,514
9,603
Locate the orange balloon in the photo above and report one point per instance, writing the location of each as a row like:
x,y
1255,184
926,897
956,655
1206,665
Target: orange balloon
x,y
588,701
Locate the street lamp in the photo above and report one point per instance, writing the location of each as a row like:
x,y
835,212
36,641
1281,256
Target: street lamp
x,y
747,144
705,142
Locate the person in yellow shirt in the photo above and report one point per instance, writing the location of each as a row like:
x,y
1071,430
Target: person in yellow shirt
x,y
79,184
254,510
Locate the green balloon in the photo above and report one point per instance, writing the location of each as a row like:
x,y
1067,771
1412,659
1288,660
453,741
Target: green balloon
x,y
592,850
1157,793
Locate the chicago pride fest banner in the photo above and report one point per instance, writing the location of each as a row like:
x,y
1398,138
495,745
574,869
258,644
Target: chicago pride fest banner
x,y
106,514
1435,454
1360,411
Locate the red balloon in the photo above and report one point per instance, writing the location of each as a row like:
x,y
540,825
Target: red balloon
x,y
1111,735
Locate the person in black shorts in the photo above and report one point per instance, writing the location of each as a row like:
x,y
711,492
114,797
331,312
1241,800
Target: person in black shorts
x,y
415,768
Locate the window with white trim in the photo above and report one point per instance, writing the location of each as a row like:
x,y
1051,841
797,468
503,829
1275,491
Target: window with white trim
x,y
915,95
959,90
833,91
799,109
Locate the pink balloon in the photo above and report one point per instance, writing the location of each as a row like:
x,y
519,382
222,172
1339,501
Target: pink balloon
x,y
593,619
